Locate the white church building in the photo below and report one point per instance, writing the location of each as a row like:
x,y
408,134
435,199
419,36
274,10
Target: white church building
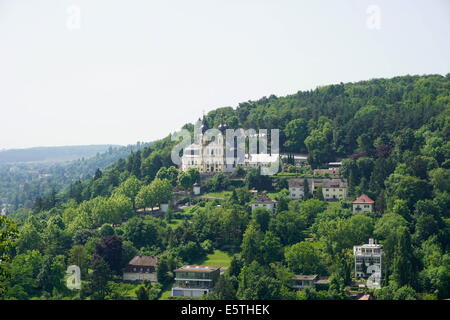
x,y
209,154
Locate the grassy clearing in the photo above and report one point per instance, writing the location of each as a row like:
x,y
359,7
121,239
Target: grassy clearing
x,y
217,258
174,223
166,294
217,195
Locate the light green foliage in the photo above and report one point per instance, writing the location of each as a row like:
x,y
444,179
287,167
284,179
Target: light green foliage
x,y
388,223
296,132
130,189
341,233
157,192
304,258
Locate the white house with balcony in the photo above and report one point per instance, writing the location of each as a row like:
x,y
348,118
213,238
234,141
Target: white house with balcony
x,y
194,280
369,262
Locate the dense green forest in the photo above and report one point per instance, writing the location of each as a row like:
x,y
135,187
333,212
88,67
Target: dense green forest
x,y
394,138
22,182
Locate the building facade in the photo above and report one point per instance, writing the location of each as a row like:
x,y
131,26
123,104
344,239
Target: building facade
x,y
363,204
263,201
369,262
334,189
194,281
304,281
211,154
297,187
141,268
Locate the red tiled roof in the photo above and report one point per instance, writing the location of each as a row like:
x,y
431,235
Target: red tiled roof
x,y
363,199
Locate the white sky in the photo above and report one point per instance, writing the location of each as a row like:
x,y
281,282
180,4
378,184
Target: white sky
x,y
137,70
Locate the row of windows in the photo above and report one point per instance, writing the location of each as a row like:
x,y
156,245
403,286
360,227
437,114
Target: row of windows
x,y
295,194
334,196
367,260
371,251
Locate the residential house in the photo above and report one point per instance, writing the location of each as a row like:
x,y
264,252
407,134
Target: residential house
x,y
363,204
334,189
141,268
263,201
302,281
297,186
194,281
369,262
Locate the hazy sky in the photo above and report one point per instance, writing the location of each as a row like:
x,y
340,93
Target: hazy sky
x,y
136,70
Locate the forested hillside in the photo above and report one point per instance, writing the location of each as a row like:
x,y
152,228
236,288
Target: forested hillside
x,y
22,182
394,138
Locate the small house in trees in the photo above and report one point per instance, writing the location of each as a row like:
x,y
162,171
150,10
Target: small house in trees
x,y
303,281
4,212
363,204
334,189
297,187
194,281
263,201
369,262
196,189
141,268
